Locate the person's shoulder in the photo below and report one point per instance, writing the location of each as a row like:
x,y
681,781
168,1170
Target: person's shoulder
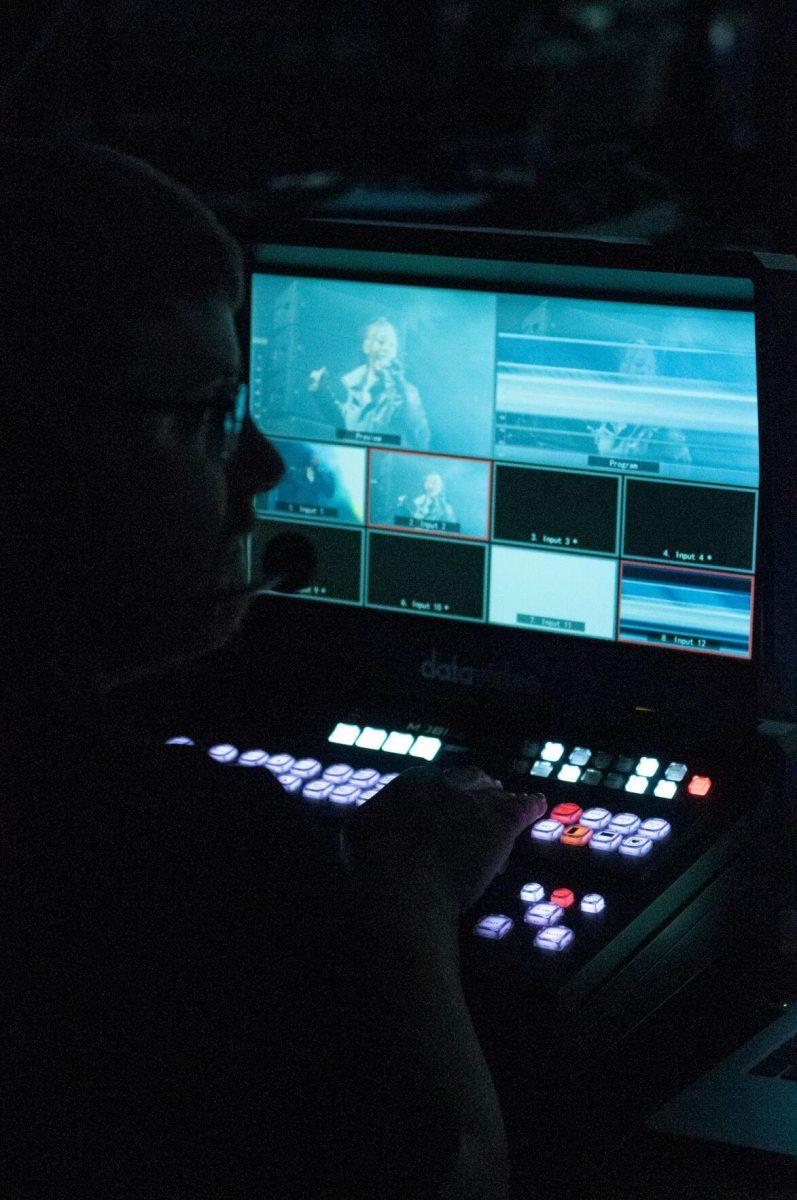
x,y
355,378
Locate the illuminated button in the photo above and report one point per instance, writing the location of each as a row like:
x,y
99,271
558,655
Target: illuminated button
x,y
547,830
605,841
665,789
384,780
344,793
555,939
253,758
596,818
591,776
624,765
541,768
280,764
338,773
647,767
366,794
291,783
637,784
546,913
569,773
563,897
655,828
179,741
552,751
371,739
592,903
601,760
580,756
624,823
398,743
636,846
223,753
365,778
307,768
426,747
699,785
317,789
493,927
566,814
344,735
613,780
576,835
676,771
532,893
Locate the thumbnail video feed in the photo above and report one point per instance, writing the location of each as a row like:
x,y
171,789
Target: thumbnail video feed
x,y
321,481
693,610
412,368
449,496
338,553
643,388
554,592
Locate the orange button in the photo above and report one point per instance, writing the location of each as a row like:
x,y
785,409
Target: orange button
x,y
566,814
577,835
699,785
563,897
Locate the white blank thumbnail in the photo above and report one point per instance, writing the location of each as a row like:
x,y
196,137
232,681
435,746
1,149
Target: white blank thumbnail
x,y
560,593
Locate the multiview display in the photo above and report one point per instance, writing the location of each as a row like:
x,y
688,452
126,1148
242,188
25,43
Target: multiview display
x,y
580,466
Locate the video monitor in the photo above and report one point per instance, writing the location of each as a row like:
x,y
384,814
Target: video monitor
x,y
498,443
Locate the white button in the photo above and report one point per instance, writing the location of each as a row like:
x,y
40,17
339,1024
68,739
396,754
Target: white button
x,y
580,756
224,752
569,773
558,938
665,789
544,914
593,903
344,793
291,783
547,830
647,767
366,794
676,771
541,769
552,751
624,823
398,743
179,741
605,840
386,779
317,789
426,747
308,768
532,893
338,773
371,739
253,758
364,778
279,764
637,784
636,846
595,818
493,927
656,828
344,735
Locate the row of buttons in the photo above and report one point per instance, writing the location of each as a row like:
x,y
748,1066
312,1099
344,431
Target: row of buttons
x,y
632,774
601,830
393,742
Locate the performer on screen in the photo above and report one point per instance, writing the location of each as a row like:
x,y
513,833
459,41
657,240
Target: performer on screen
x,y
376,396
307,482
431,504
628,440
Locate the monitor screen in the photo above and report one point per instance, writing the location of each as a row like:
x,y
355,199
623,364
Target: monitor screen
x,y
584,464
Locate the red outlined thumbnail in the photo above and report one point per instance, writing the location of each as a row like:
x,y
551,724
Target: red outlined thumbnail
x,y
419,526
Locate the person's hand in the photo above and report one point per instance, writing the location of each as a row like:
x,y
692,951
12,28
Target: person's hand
x,y
438,836
315,379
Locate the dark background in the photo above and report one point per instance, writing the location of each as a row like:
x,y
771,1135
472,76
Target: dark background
x,y
661,119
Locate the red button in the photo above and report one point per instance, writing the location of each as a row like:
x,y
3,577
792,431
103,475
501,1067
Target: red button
x,y
577,835
566,814
563,897
699,785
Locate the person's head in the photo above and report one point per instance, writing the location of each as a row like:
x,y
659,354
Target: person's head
x,y
638,359
125,501
381,342
433,484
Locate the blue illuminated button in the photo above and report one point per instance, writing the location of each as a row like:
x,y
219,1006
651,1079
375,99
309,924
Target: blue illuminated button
x,y
592,903
344,735
384,780
676,771
580,756
547,830
569,773
291,783
647,767
179,741
544,913
637,784
624,823
493,927
636,846
541,769
364,778
398,743
253,758
665,789
613,780
307,768
223,753
425,747
552,751
558,938
591,776
338,773
596,818
371,739
655,828
532,893
366,794
317,789
344,793
605,840
279,764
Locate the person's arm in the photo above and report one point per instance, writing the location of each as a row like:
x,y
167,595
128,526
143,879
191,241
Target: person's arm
x,y
417,423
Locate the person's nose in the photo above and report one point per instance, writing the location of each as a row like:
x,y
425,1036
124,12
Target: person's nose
x,y
257,466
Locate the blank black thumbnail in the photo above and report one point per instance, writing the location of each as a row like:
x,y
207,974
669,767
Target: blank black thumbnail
x,y
421,575
681,524
556,508
338,556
